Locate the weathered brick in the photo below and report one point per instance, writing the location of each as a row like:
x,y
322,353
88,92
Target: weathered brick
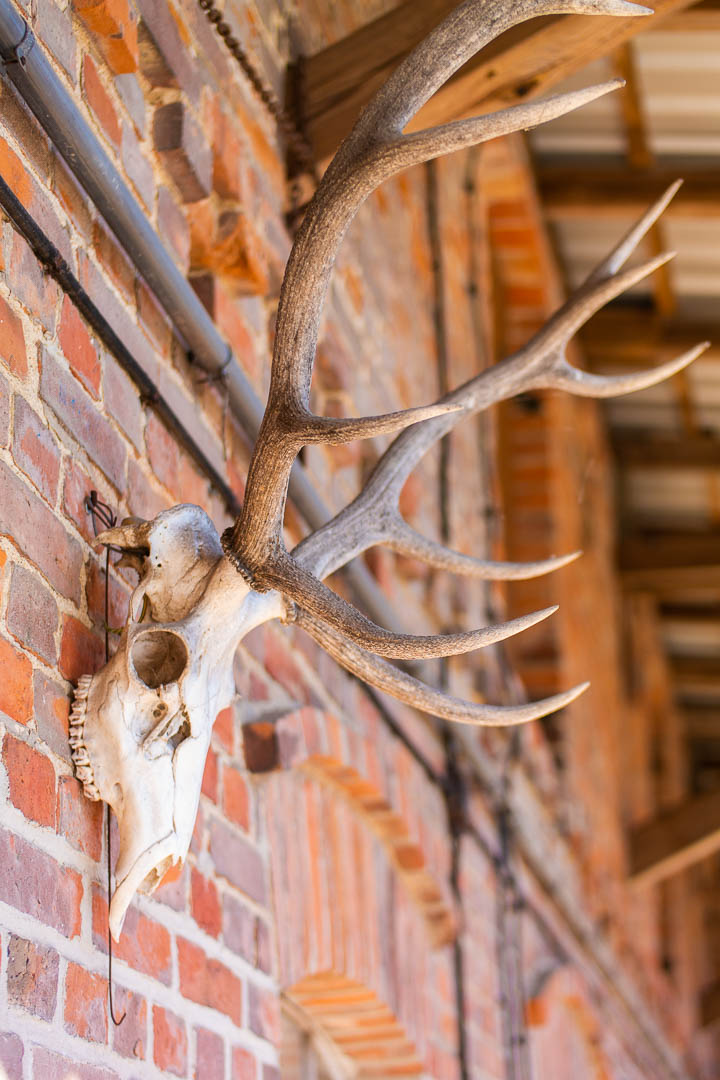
x,y
82,651
243,1064
170,1046
52,709
4,412
28,522
208,982
85,1004
32,977
16,697
31,778
237,860
32,614
224,729
261,749
264,1013
209,1056
173,225
80,415
115,28
78,347
11,1056
54,29
183,150
130,1037
100,103
35,290
31,881
12,336
118,596
236,799
239,928
137,167
122,401
50,1066
160,31
79,820
35,449
144,943
206,910
210,776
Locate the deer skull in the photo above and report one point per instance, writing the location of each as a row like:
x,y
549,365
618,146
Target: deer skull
x,y
140,728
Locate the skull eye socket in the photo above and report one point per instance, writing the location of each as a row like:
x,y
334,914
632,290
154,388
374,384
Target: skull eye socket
x,y
159,657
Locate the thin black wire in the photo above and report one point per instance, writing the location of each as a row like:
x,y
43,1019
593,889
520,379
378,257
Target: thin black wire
x,y
100,511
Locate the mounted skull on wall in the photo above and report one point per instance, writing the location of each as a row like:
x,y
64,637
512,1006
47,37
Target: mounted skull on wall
x,y
141,727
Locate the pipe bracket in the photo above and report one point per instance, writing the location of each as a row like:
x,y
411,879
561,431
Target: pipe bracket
x,y
18,54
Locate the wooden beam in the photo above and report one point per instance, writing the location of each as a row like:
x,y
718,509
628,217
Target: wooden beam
x,y
710,1005
667,562
675,839
698,19
696,674
651,452
701,722
522,64
590,190
623,335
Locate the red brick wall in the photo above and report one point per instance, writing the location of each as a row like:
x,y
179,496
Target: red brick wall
x,y
323,842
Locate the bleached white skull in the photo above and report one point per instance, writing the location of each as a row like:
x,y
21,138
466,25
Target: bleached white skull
x,y
140,728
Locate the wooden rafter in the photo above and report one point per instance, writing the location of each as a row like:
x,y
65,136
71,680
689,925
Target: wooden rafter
x,y
628,335
671,562
698,452
675,839
522,64
588,188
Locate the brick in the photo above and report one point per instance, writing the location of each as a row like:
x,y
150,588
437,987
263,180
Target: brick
x,y
264,1013
170,1046
137,167
269,1072
35,449
208,982
131,92
162,452
82,651
122,401
173,226
209,1056
11,1056
76,488
239,928
236,799
78,347
261,750
144,499
51,707
32,882
12,336
32,977
237,860
153,319
224,729
130,1037
50,1066
77,411
79,820
263,942
32,287
223,241
100,103
85,1004
16,696
173,888
114,26
184,151
144,944
160,30
31,778
32,614
205,903
29,524
243,1064
210,776
4,412
54,28
118,596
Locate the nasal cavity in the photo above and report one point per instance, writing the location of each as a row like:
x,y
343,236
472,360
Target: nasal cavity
x,y
159,657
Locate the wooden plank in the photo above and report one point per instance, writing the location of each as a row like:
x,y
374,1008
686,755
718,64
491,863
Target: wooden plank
x,y
623,335
675,839
651,452
669,550
589,189
710,1005
701,722
698,19
696,674
523,64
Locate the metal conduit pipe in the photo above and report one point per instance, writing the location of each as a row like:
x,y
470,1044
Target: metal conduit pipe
x,y
46,96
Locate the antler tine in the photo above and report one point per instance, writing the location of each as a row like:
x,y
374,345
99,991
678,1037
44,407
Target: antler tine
x,y
370,153
586,384
311,595
620,254
400,685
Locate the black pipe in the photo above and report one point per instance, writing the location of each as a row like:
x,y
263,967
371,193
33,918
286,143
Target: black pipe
x,y
48,98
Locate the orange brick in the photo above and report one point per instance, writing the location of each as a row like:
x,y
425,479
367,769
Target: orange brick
x,y
16,693
206,909
210,776
208,982
86,1004
236,802
170,1042
81,650
77,345
224,728
99,101
12,337
79,820
32,781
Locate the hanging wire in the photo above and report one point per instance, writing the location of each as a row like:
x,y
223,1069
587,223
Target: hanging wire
x,y
100,511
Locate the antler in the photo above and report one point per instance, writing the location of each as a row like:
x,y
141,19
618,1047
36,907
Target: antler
x,y
375,150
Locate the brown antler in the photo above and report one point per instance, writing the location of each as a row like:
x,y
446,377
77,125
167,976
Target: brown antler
x,y
375,150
